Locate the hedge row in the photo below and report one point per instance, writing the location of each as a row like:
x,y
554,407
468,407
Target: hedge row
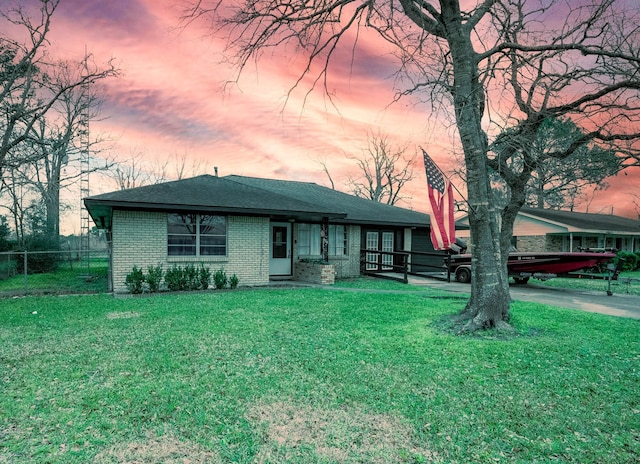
x,y
177,279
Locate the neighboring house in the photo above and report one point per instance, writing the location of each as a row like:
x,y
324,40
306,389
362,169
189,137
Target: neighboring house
x,y
538,229
258,229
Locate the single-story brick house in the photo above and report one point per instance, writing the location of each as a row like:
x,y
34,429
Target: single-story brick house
x,y
538,229
258,229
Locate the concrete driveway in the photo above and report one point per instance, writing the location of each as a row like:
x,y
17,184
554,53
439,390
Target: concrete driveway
x,y
618,304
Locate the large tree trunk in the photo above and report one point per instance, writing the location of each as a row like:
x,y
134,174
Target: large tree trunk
x,y
489,304
51,198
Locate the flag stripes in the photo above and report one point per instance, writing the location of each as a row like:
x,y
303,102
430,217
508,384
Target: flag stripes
x,y
441,198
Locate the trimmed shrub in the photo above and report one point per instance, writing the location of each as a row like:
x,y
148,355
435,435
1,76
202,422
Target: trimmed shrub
x,y
154,278
175,278
233,281
134,280
192,281
220,279
204,276
189,278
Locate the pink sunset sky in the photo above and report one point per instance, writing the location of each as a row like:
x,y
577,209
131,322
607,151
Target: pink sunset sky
x,y
170,102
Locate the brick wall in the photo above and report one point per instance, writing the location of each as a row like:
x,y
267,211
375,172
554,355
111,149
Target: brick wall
x,y
248,249
315,273
345,266
140,239
531,243
349,266
553,243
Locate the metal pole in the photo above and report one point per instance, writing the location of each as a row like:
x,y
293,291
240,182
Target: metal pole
x,y
24,268
404,265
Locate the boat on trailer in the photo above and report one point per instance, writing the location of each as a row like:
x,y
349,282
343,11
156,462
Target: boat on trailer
x,y
543,266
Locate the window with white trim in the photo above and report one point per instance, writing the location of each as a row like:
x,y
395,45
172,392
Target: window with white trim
x,y
309,240
372,244
196,235
338,240
387,245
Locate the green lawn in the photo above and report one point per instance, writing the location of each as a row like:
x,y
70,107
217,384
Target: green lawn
x,y
68,278
310,376
620,286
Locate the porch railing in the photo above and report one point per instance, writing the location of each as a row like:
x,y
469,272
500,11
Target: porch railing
x,y
398,265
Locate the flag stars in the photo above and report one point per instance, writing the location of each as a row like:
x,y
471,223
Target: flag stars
x,y
434,175
442,222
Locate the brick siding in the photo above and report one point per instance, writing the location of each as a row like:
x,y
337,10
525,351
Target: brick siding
x,y
140,238
315,273
349,266
531,243
553,243
346,266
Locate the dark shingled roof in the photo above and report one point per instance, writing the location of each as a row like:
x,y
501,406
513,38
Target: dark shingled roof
x,y
358,210
251,196
586,221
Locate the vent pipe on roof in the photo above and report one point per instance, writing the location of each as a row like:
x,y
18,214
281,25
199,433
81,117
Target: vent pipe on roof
x,y
215,169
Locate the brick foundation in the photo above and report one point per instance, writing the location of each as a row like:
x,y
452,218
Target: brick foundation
x,y
314,273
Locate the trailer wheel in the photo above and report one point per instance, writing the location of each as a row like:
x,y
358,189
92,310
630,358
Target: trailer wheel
x,y
521,280
463,275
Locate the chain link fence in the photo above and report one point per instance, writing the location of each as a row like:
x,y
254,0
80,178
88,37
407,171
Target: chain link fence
x,y
53,272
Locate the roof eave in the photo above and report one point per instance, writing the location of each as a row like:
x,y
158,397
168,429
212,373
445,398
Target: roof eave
x,y
108,206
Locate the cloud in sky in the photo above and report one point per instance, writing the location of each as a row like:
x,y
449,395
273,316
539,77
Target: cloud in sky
x,y
171,99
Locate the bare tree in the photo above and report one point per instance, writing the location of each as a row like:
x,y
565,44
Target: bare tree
x,y
636,202
559,178
325,169
58,139
131,173
184,169
18,191
137,171
41,104
384,171
25,70
497,64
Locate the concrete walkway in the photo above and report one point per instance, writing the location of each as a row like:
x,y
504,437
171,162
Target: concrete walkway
x,y
621,305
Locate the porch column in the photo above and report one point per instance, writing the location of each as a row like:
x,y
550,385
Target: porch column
x,y
324,239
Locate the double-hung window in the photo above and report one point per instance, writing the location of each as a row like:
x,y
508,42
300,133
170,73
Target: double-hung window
x,y
337,240
309,240
196,235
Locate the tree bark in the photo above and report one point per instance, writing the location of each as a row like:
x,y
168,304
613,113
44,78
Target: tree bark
x,y
52,206
489,304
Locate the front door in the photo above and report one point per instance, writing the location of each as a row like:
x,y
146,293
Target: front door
x,y
280,249
379,241
387,245
372,244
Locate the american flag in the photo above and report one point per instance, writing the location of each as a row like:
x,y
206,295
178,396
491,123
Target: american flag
x,y
443,231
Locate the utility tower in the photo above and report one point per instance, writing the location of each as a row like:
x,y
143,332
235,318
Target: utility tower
x,y
85,167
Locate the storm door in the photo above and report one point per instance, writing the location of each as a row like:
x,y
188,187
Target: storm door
x,y
280,249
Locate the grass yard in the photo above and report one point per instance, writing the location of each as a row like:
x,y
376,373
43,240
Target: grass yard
x,y
68,278
310,376
621,286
